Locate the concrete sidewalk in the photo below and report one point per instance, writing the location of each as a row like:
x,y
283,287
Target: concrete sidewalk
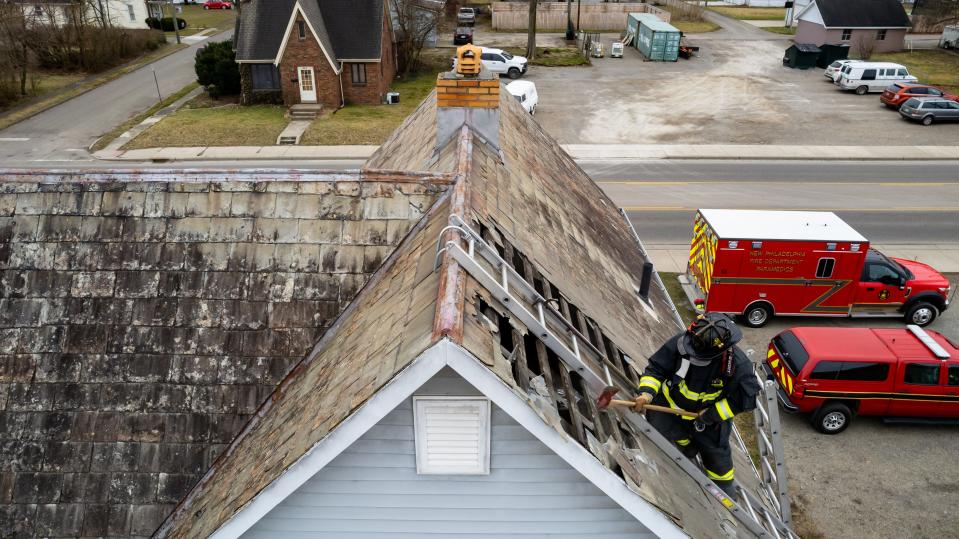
x,y
581,152
943,257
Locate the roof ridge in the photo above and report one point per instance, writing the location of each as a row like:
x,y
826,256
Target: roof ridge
x,y
448,321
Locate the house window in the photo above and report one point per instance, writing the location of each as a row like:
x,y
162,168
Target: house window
x,y
301,29
880,35
846,34
131,12
452,435
265,77
358,74
38,10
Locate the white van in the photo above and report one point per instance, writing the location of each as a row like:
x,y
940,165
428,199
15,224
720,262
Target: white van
x,y
872,76
525,92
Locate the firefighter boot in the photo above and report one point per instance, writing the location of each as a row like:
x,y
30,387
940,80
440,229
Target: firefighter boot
x,y
729,487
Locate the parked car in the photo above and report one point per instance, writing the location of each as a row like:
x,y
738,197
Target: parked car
x,y
930,109
463,35
502,62
525,92
616,49
834,69
466,15
759,263
217,4
897,94
838,373
866,77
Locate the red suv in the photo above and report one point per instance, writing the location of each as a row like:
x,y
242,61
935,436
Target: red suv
x,y
897,94
835,373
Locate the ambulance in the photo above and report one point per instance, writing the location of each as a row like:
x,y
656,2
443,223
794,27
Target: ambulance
x,y
758,264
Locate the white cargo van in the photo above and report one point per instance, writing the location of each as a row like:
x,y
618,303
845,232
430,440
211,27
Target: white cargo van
x,y
872,76
525,92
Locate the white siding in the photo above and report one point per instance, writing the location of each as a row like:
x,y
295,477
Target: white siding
x,y
372,490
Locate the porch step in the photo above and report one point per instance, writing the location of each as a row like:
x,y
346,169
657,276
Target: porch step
x,y
305,111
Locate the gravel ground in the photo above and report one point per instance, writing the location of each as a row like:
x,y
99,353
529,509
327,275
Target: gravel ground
x,y
873,480
735,92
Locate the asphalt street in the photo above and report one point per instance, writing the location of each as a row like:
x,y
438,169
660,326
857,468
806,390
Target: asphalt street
x,y
888,202
62,134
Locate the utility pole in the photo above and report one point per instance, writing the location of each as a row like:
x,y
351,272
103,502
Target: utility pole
x,y
570,34
176,27
579,8
531,31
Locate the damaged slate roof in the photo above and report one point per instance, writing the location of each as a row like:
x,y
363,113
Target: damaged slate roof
x,y
553,224
347,29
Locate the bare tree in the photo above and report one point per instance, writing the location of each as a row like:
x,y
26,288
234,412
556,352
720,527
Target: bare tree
x,y
14,41
416,20
531,34
865,45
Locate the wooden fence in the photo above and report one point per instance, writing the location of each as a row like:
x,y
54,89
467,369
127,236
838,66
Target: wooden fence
x,y
552,15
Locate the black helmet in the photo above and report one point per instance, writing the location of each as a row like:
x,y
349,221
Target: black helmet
x,y
708,337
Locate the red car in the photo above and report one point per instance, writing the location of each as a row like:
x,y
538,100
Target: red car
x,y
897,94
901,374
217,4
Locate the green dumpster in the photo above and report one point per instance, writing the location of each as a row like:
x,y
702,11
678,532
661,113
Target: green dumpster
x,y
801,55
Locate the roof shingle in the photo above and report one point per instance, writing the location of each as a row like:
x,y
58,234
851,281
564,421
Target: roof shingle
x,y
863,14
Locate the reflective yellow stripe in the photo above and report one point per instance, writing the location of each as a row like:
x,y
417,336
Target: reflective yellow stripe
x,y
684,442
774,363
651,383
770,352
728,476
725,412
672,404
694,396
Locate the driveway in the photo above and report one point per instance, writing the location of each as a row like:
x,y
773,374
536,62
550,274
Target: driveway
x,y
873,480
62,134
736,91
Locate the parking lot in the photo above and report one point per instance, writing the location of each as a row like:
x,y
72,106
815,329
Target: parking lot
x,y
874,480
736,91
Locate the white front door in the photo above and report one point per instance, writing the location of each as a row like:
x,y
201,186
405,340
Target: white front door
x,y
307,84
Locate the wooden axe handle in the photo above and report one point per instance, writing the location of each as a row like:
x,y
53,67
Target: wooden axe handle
x,y
655,408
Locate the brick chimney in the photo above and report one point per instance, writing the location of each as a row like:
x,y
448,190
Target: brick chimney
x,y
469,94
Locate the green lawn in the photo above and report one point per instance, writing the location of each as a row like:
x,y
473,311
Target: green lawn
x,y
370,124
936,67
42,83
690,19
228,125
553,56
199,19
752,13
791,31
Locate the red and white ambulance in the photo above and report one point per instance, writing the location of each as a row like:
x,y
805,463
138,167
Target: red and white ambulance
x,y
799,263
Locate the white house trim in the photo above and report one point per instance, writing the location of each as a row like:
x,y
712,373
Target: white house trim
x,y
289,32
400,388
867,27
341,437
363,60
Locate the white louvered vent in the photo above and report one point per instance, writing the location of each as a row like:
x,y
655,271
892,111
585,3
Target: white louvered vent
x,y
452,435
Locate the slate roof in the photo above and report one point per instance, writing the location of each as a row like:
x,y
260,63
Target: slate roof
x,y
863,14
533,201
347,29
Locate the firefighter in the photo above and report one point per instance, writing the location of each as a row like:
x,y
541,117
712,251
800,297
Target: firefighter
x,y
701,370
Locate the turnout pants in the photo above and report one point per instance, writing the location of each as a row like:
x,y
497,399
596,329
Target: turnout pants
x,y
712,445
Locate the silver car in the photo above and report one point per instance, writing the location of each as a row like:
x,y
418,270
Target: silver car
x,y
930,109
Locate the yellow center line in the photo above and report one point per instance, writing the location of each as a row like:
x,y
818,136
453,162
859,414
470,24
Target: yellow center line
x,y
873,210
728,182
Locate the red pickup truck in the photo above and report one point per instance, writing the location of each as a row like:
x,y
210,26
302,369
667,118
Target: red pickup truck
x,y
837,373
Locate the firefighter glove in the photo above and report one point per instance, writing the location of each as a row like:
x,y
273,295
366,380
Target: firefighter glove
x,y
641,401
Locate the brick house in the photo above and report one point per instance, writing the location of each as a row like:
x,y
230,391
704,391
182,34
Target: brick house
x,y
328,52
881,24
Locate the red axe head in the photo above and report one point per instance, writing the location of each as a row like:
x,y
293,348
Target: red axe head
x,y
606,397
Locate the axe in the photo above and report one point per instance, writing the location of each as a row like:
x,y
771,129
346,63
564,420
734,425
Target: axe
x,y
606,400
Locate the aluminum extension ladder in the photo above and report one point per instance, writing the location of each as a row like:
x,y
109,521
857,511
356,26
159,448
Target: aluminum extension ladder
x,y
512,290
